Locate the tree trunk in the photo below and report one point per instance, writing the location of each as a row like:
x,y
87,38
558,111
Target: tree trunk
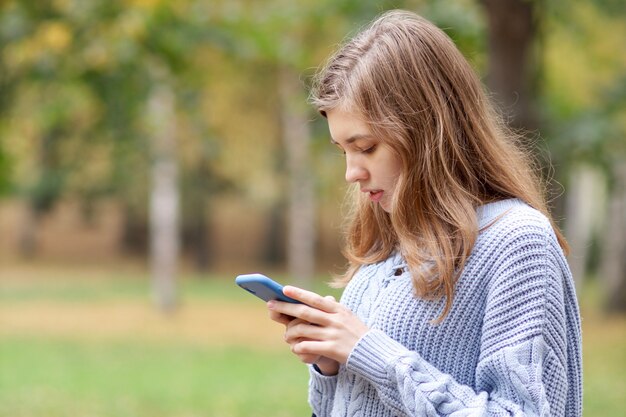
x,y
194,225
164,196
28,232
512,67
613,270
274,250
45,191
198,227
585,199
301,213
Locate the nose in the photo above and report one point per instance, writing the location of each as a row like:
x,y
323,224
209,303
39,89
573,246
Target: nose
x,y
354,171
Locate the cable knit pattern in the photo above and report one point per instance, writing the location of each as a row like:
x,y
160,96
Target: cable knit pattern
x,y
510,346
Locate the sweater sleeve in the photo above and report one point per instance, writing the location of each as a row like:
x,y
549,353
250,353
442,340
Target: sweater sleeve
x,y
521,370
410,386
321,392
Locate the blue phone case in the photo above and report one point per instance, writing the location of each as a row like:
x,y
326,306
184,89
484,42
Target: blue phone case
x,y
263,287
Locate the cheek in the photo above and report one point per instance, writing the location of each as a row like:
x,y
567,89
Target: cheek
x,y
389,166
397,171
394,168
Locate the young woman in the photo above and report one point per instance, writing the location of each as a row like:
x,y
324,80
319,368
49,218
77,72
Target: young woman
x,y
458,297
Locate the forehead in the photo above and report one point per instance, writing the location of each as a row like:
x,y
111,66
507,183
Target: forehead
x,y
346,126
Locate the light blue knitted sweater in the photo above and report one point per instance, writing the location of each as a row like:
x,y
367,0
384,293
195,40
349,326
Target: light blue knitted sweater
x,y
510,346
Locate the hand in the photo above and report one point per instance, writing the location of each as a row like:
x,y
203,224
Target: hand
x,y
327,366
304,357
324,328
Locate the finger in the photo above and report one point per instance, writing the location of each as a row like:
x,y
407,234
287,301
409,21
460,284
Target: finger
x,y
280,318
312,299
301,311
295,322
304,330
306,358
309,359
317,348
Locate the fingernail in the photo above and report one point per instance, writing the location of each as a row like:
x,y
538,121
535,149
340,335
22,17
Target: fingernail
x,y
271,304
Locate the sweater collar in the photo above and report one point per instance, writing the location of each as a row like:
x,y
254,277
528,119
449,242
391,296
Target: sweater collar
x,y
394,262
489,212
486,214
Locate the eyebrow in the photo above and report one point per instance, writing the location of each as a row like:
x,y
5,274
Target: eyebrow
x,y
353,138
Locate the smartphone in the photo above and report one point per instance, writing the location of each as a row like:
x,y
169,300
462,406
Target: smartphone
x,y
263,287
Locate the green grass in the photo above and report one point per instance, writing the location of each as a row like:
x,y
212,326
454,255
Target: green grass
x,y
604,356
77,376
74,289
65,375
604,376
69,378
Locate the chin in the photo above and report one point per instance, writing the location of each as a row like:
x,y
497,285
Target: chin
x,y
386,208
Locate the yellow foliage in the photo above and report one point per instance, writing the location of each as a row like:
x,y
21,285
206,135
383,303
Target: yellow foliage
x,y
97,56
144,4
132,25
245,123
50,37
582,64
62,5
55,36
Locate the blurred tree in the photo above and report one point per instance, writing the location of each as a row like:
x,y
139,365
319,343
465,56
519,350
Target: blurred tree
x,y
280,34
291,37
77,79
103,72
5,99
38,81
512,64
613,271
584,131
157,53
164,190
585,100
4,171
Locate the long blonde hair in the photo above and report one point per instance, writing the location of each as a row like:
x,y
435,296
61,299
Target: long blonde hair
x,y
419,95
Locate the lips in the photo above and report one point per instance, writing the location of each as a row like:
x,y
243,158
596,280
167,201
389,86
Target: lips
x,y
375,195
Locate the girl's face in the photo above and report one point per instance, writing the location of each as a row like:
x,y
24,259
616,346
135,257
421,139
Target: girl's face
x,y
369,162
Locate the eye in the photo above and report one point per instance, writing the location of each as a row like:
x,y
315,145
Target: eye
x,y
369,150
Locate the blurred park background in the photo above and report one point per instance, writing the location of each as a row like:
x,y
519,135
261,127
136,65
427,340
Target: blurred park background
x,y
152,150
